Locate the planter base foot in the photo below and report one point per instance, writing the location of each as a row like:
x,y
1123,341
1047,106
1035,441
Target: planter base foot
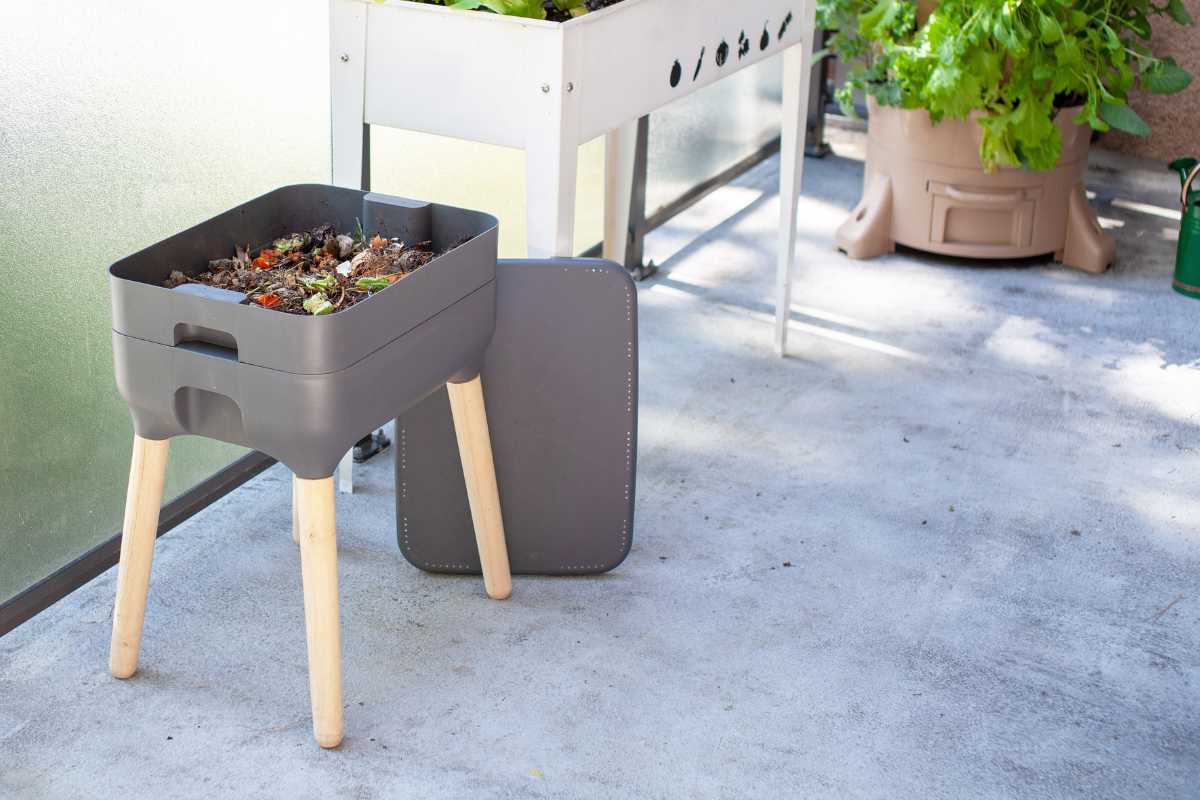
x,y
868,231
1087,246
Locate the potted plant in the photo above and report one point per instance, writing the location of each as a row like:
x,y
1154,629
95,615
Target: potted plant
x,y
981,115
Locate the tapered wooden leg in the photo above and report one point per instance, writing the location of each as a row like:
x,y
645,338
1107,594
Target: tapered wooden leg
x,y
143,500
318,562
475,450
295,510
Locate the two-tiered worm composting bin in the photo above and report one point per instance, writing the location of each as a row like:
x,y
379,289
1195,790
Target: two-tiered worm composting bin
x,y
547,87
302,388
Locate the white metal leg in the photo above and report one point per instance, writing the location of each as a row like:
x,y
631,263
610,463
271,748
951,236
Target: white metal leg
x,y
552,154
797,72
550,199
620,150
347,81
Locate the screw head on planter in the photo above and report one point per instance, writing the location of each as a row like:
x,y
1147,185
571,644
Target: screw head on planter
x,y
301,387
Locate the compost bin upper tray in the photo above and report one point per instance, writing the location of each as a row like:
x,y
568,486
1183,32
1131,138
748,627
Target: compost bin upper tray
x,y
302,389
145,309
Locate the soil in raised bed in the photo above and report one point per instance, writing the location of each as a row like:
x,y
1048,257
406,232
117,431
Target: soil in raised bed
x,y
535,9
552,13
317,272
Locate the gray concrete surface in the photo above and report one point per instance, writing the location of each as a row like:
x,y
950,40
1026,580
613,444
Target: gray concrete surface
x,y
982,478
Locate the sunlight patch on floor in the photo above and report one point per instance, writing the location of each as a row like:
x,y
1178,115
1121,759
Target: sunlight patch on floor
x,y
1026,342
1174,515
1146,208
859,342
1145,378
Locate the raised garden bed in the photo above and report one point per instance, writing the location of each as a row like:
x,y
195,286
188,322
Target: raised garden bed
x,y
547,87
508,72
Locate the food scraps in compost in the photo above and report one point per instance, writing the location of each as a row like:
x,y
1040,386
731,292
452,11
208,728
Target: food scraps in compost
x,y
315,272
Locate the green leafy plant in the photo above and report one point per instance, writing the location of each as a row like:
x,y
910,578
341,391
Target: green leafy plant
x,y
1015,62
532,9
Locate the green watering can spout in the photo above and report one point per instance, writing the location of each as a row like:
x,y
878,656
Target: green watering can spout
x,y
1182,166
1187,257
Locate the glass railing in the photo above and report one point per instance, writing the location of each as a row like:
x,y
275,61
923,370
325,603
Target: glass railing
x,y
134,121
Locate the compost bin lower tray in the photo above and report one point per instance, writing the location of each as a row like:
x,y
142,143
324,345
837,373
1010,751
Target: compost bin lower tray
x,y
302,389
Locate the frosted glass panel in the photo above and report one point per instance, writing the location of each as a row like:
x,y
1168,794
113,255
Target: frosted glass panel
x,y
482,176
705,133
121,123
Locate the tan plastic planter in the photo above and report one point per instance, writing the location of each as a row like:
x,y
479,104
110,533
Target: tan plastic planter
x,y
925,188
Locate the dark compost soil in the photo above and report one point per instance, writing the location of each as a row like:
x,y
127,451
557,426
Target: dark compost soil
x,y
554,14
316,272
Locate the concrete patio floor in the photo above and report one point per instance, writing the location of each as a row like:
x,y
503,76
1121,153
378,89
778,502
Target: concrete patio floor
x,y
949,548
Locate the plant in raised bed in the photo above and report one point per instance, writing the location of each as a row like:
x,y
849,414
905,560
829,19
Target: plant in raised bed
x,y
317,271
555,10
981,115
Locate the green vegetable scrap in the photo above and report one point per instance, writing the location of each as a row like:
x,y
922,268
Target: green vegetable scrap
x,y
324,283
292,243
318,304
372,284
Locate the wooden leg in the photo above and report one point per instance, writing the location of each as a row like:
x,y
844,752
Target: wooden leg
x,y
318,562
295,509
143,500
475,450
797,74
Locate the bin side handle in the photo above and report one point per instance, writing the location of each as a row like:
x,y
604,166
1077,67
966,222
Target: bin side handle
x,y
206,341
209,349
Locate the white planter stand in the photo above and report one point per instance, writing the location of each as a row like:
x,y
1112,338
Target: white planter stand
x,y
548,87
